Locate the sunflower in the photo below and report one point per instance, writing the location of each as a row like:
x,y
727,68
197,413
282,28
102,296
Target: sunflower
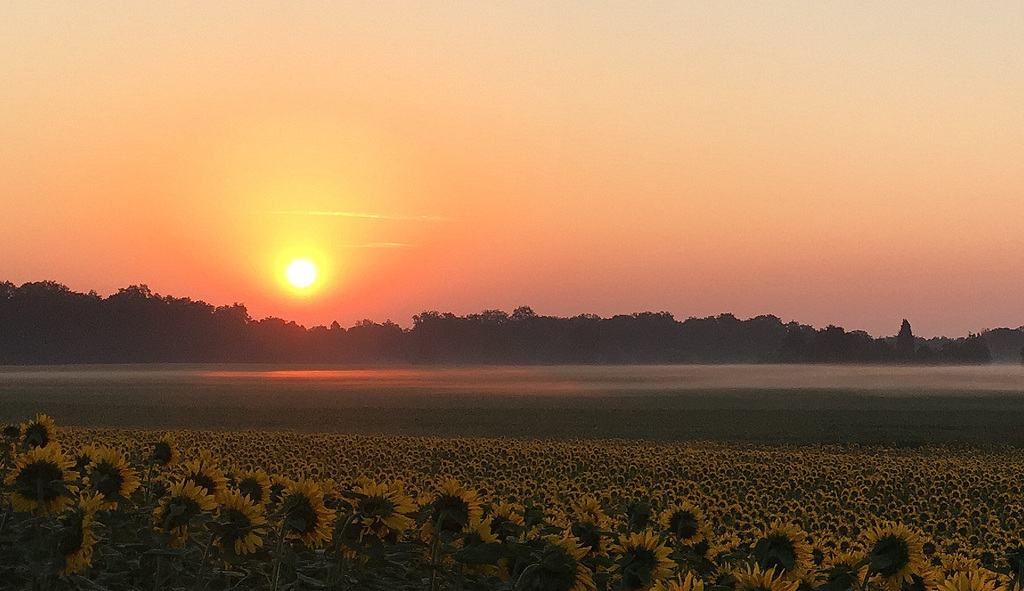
x,y
76,540
383,509
84,458
752,578
638,514
506,520
979,580
558,567
690,582
452,508
165,452
305,516
241,524
12,433
845,570
785,549
643,560
39,432
589,510
895,554
685,523
111,476
254,484
478,532
205,473
42,480
184,501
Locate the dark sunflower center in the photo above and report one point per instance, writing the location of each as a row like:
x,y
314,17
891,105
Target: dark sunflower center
x,y
106,479
236,525
162,453
683,524
180,510
451,513
72,536
639,567
376,506
204,481
639,514
302,515
889,555
250,488
36,481
36,435
588,534
776,552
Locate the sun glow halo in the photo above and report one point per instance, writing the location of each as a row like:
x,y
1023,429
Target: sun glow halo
x,y
301,273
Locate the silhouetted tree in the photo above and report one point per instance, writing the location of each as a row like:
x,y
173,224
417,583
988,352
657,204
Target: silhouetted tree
x,y
905,348
45,322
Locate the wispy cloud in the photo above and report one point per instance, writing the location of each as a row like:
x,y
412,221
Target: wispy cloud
x,y
378,245
372,216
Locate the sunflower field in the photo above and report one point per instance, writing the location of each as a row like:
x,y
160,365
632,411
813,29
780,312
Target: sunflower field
x,y
89,508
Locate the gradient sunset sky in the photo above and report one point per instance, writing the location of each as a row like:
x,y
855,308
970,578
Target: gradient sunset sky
x,y
851,163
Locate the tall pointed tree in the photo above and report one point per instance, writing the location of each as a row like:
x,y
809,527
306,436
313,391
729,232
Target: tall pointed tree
x,y
905,348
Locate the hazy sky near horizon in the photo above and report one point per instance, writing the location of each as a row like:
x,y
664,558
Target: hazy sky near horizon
x,y
845,163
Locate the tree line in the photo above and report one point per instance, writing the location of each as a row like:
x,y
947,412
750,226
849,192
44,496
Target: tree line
x,y
47,323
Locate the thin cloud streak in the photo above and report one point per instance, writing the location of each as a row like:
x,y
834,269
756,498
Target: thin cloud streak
x,y
378,245
372,216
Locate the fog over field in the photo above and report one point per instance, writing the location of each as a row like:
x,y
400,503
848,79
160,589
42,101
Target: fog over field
x,y
748,403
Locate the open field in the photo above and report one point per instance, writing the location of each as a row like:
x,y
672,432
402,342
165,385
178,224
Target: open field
x,y
747,404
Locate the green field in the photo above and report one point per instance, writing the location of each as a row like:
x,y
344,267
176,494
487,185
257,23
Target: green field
x,y
561,404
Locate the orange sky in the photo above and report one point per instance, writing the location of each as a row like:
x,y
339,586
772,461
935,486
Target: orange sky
x,y
836,163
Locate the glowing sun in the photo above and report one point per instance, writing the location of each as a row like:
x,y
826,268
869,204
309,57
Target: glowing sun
x,y
301,273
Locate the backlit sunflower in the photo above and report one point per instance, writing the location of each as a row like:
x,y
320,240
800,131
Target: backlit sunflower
x,y
845,570
784,548
558,567
452,508
204,472
111,476
241,524
183,501
752,578
84,458
254,484
507,520
165,452
76,540
305,516
39,432
589,510
42,481
643,560
685,523
895,554
384,510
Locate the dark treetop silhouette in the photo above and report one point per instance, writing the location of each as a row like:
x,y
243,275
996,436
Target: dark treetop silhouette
x,y
46,323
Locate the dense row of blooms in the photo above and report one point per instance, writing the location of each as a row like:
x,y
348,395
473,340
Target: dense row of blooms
x,y
127,509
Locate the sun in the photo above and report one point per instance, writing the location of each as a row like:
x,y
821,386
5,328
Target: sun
x,y
301,273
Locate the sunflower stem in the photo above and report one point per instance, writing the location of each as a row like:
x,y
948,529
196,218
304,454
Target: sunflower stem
x,y
278,555
149,482
202,563
434,552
